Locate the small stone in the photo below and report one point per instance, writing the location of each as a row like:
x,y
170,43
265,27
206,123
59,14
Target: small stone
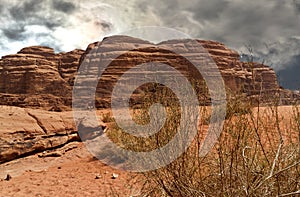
x,y
98,176
8,177
59,167
50,154
114,176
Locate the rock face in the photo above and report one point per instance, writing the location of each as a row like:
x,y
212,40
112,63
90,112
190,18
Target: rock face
x,y
26,131
250,79
37,77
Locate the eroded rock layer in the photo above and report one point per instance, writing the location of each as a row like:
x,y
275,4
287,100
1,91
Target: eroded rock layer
x,y
120,53
37,77
25,131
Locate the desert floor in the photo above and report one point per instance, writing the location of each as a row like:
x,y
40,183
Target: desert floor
x,y
72,174
75,173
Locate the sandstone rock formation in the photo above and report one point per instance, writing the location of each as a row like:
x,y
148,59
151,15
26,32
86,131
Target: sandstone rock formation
x,y
26,131
251,79
37,77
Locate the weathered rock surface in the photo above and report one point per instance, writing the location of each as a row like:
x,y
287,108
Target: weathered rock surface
x,y
251,79
25,131
37,77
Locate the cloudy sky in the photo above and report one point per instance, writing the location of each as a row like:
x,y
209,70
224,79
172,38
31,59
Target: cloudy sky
x,y
271,28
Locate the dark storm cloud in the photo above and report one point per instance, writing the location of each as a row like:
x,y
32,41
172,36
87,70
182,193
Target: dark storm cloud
x,y
31,12
289,77
25,10
106,26
227,20
63,6
14,33
52,24
61,25
238,24
33,19
1,8
208,9
168,11
262,22
297,5
32,6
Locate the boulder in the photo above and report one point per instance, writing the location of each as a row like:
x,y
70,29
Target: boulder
x,y
27,131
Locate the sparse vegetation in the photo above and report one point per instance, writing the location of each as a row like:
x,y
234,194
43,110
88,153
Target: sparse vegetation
x,y
257,154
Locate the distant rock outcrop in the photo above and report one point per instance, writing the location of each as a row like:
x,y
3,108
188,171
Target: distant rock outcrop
x,y
37,77
37,80
250,79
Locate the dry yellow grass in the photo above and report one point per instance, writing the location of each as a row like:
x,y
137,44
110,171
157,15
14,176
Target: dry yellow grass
x,y
257,154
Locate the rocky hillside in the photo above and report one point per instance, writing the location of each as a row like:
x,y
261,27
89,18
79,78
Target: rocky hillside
x,y
36,77
250,79
36,86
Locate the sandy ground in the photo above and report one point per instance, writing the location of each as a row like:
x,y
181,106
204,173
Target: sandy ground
x,y
73,174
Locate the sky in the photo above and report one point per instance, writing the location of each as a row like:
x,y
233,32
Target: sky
x,y
270,28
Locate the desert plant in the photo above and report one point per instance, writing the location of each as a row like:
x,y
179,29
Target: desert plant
x,y
257,154
254,157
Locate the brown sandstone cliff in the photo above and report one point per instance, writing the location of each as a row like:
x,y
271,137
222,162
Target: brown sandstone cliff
x,y
250,79
37,77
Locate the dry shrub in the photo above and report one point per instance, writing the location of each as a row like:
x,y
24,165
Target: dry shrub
x,y
257,154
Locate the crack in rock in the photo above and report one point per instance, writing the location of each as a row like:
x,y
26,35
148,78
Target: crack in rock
x,y
38,122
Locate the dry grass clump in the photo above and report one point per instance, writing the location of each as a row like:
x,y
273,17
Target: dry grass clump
x,y
257,154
